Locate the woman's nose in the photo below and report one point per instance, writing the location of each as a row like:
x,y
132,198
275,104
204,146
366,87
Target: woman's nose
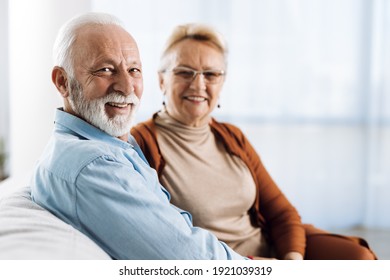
x,y
198,82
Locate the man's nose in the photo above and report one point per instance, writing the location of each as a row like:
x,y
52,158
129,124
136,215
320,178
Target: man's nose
x,y
124,83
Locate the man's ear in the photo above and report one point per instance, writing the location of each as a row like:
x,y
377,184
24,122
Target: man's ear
x,y
60,80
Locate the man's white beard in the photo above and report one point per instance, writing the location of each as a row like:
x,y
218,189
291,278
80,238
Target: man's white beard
x,y
94,112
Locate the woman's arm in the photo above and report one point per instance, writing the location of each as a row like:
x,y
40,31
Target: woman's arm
x,y
282,221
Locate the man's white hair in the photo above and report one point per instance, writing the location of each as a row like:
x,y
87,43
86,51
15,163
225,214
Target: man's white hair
x,y
63,45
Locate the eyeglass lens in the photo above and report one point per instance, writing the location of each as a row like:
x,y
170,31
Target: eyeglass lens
x,y
188,75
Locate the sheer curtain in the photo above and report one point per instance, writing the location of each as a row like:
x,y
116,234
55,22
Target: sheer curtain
x,y
308,82
378,119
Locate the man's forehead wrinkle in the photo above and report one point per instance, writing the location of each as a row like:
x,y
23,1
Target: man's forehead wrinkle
x,y
102,50
117,59
106,36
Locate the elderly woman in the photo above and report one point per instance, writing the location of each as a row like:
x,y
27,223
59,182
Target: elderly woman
x,y
211,169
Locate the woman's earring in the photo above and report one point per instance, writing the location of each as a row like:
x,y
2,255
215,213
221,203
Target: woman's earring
x,y
163,103
219,105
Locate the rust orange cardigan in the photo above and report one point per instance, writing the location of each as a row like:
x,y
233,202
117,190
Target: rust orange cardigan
x,y
272,212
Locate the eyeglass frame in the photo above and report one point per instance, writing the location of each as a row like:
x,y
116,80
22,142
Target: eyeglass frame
x,y
220,74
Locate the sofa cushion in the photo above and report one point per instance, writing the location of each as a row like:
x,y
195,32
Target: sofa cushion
x,y
28,231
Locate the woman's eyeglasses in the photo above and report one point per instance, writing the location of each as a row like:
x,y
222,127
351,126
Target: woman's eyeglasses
x,y
187,75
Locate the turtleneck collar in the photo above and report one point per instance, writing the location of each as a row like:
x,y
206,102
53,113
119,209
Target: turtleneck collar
x,y
190,133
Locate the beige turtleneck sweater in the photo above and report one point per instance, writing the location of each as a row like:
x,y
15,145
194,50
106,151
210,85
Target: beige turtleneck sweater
x,y
201,177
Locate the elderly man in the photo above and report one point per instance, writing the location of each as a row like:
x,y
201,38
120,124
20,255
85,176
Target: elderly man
x,y
92,174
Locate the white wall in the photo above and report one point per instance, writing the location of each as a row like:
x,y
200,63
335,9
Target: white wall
x,y
33,26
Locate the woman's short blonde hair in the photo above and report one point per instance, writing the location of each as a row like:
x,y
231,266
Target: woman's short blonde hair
x,y
194,31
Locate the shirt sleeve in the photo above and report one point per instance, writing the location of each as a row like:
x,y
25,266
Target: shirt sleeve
x,y
130,218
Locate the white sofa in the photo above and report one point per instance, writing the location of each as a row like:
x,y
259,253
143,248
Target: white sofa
x,y
28,231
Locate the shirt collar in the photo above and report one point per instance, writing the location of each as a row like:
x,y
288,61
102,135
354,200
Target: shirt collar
x,y
87,130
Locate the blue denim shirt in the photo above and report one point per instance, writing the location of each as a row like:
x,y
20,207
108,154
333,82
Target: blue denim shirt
x,y
104,187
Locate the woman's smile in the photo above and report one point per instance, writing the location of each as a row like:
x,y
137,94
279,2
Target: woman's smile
x,y
195,98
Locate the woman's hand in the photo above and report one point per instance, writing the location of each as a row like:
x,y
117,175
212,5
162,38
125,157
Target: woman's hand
x,y
262,258
293,256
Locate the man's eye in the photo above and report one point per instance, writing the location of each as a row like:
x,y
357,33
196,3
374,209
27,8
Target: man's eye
x,y
104,70
135,72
